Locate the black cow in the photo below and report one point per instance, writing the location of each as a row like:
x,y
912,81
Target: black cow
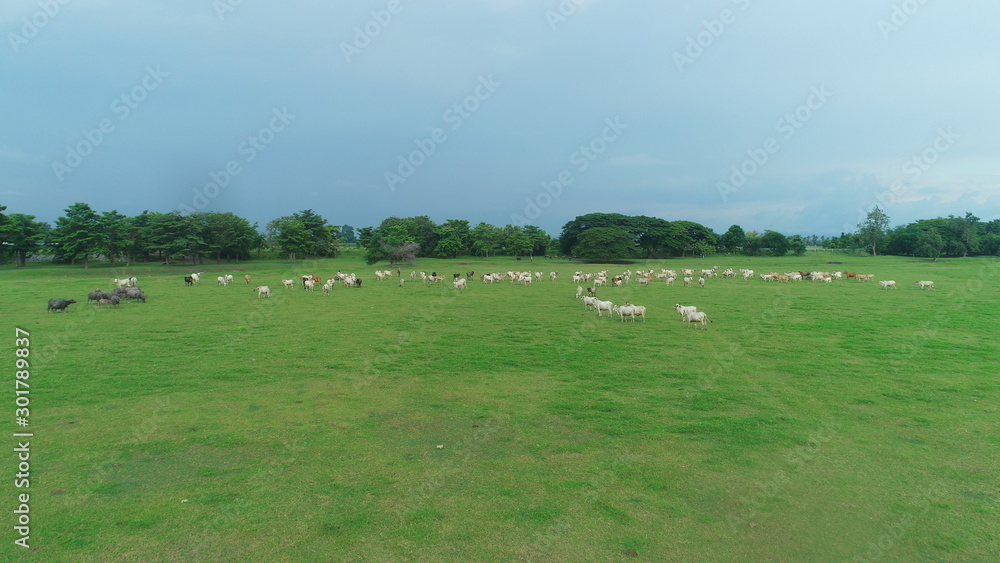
x,y
60,304
188,280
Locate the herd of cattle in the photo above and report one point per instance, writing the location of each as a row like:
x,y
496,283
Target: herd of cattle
x,y
690,313
127,288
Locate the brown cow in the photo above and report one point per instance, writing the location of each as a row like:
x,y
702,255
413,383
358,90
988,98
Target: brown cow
x,y
246,278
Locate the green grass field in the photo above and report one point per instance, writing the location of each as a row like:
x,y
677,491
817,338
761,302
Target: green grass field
x,y
809,422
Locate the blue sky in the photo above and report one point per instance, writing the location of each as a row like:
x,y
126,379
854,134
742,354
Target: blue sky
x,y
791,116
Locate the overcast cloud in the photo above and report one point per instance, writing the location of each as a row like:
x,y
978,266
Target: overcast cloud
x,y
791,116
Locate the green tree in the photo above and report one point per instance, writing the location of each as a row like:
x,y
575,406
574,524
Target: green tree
x,y
22,235
603,244
872,231
752,243
515,241
293,237
929,244
537,238
797,245
347,234
776,242
449,243
733,240
173,235
485,239
113,233
78,233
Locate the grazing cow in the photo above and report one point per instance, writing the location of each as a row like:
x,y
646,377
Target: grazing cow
x,y
229,279
308,284
698,317
288,283
592,291
460,283
326,289
470,273
263,291
188,280
246,278
222,281
60,304
603,306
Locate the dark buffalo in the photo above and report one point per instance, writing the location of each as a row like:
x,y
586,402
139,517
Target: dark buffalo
x,y
60,304
135,293
94,295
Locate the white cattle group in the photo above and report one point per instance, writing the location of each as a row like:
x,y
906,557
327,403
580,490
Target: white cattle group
x,y
588,284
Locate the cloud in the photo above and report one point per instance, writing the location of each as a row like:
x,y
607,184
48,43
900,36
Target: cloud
x,y
640,159
16,155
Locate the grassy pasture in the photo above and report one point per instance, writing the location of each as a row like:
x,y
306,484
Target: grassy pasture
x,y
809,422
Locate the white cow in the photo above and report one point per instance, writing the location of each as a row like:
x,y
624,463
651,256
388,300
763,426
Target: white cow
x,y
263,291
222,281
925,284
603,306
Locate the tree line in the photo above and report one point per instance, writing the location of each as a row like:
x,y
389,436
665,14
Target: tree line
x,y
950,236
82,234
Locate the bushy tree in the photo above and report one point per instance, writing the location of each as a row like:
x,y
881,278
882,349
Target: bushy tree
x,y
21,235
485,239
733,240
775,242
604,244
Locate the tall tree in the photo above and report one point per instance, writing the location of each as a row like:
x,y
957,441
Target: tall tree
x,y
173,235
293,237
347,234
733,240
485,239
538,239
78,233
22,235
872,231
114,230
